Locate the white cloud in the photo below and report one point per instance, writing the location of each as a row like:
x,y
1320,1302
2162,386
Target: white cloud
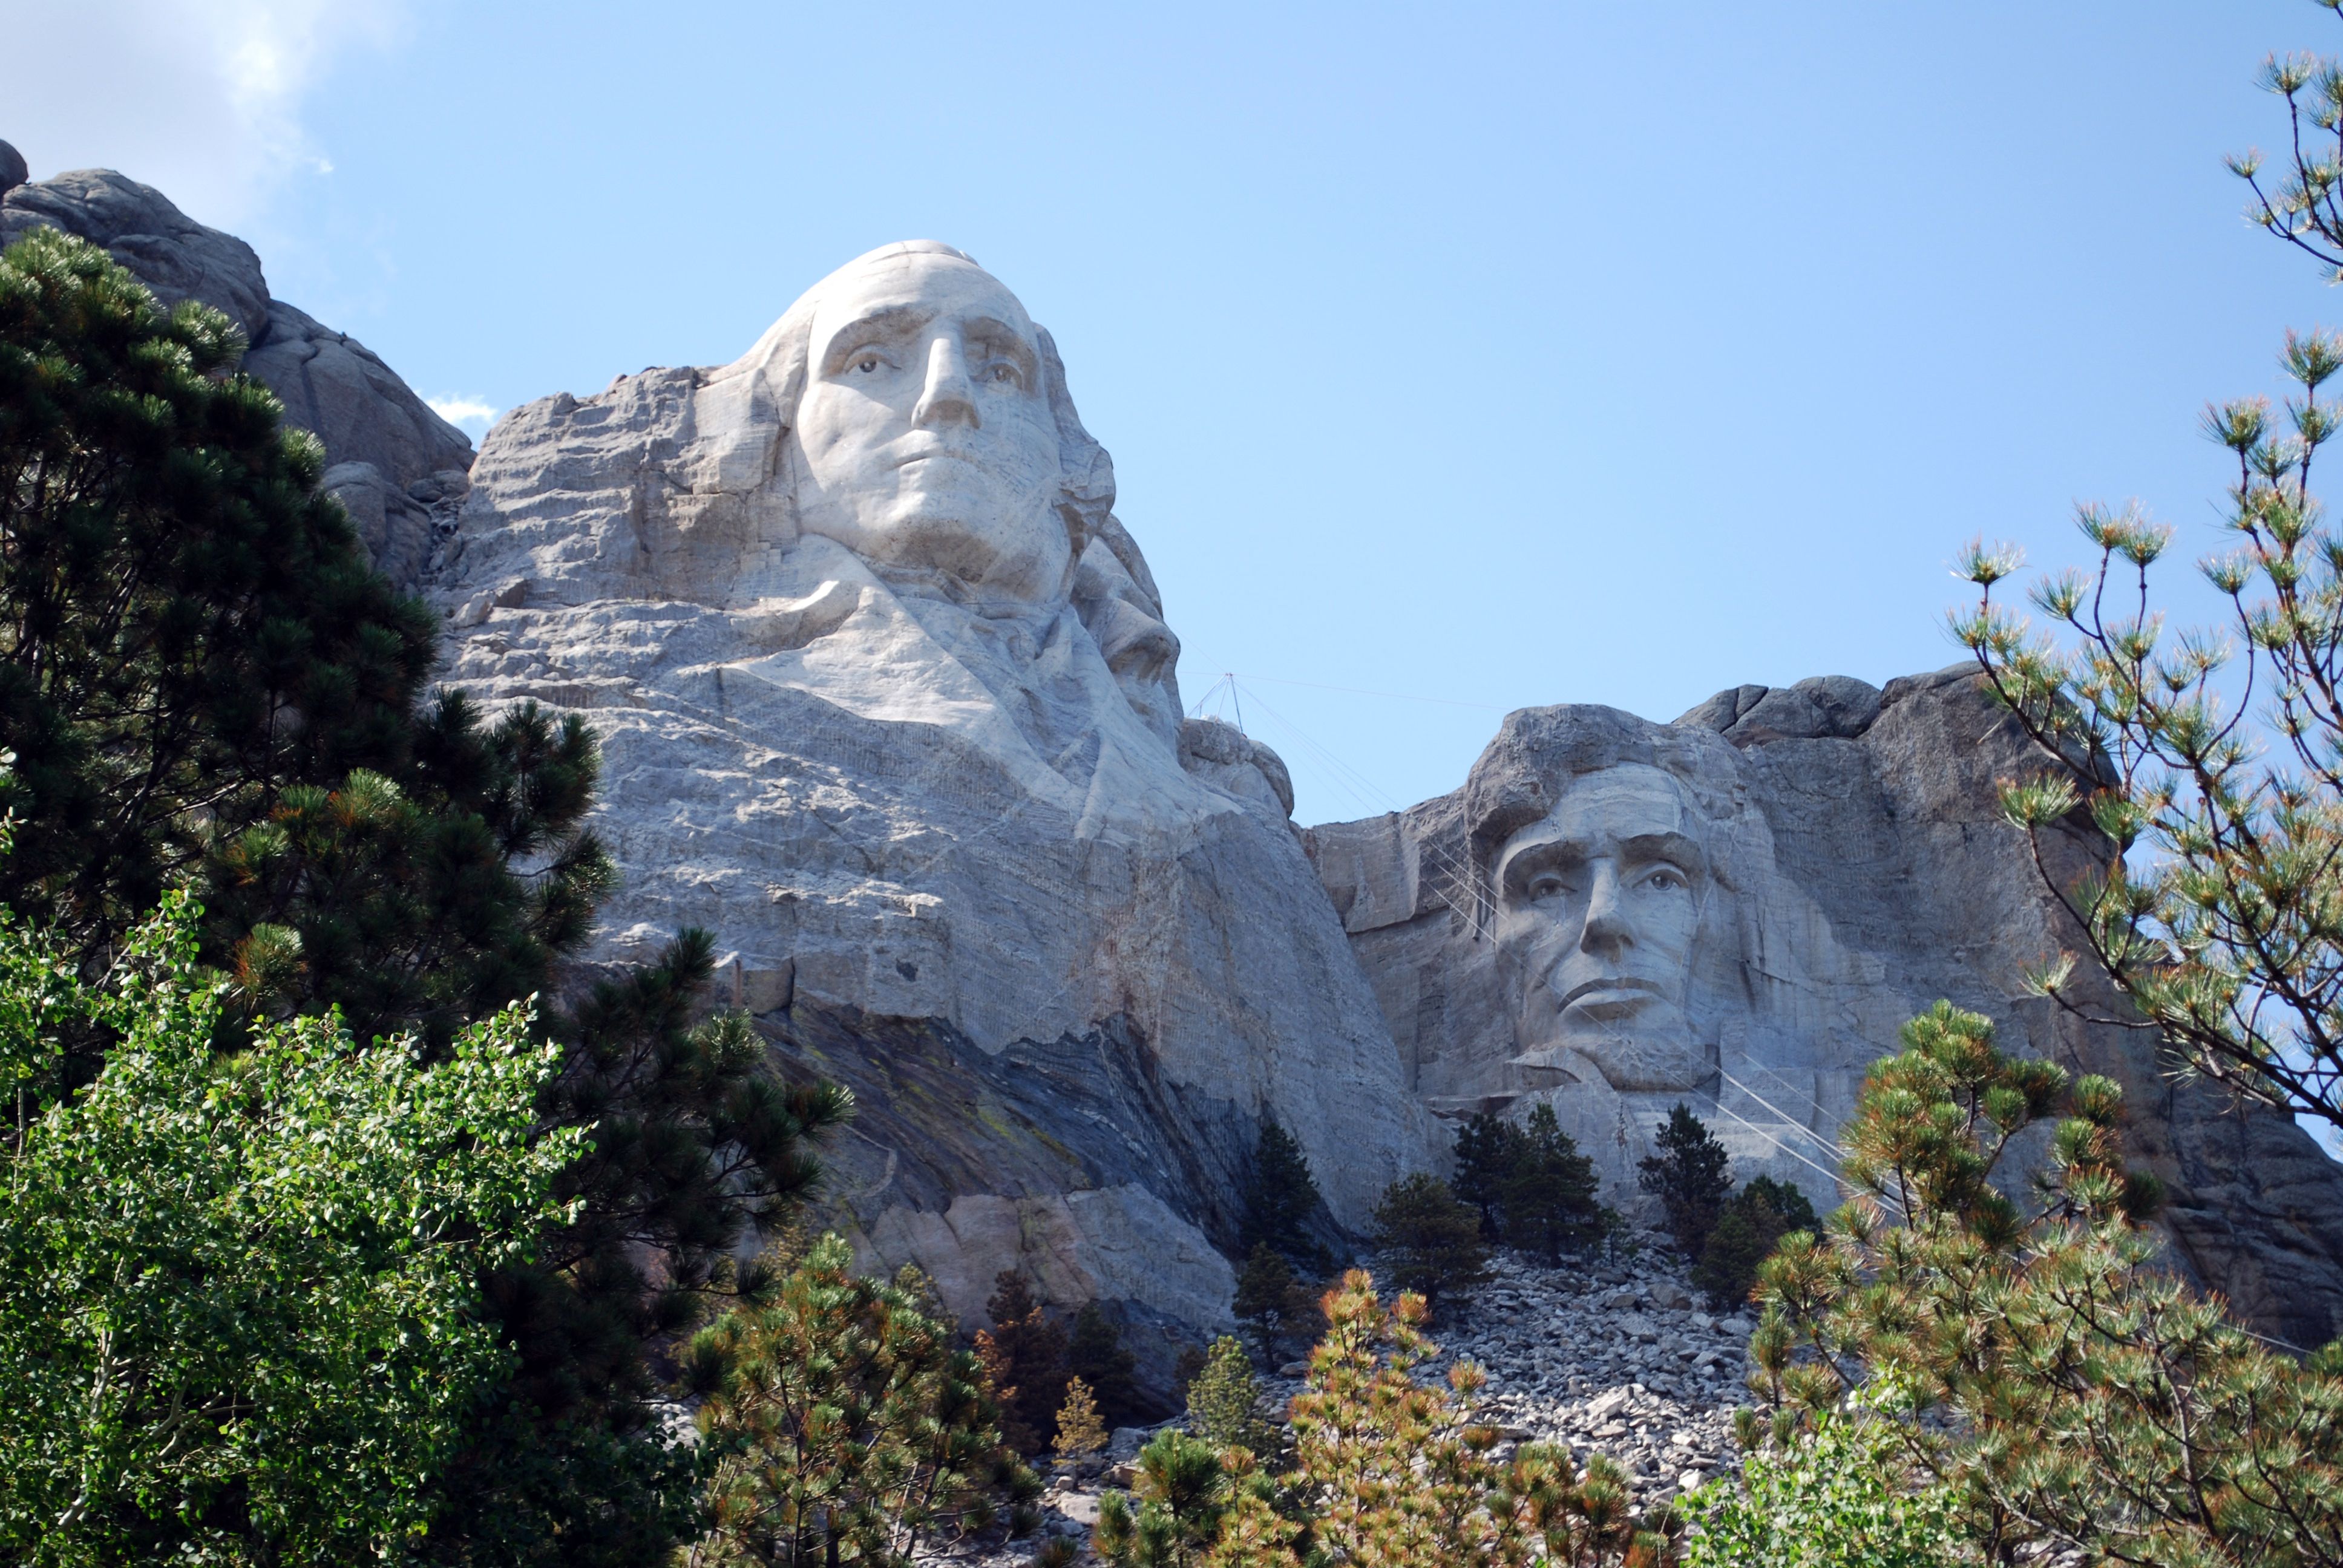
x,y
202,98
469,413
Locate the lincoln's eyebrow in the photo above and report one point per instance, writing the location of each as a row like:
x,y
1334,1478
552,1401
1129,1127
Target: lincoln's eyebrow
x,y
884,324
1673,848
1535,856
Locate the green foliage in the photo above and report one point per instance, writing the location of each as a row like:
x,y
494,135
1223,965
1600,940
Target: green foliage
x,y
1024,1355
1281,1200
1224,1402
2204,829
1753,1220
1690,1177
1534,1190
204,684
1183,1489
237,1292
1278,1308
1484,1152
2069,1392
1548,1195
1831,1497
1430,1242
843,1422
1096,1354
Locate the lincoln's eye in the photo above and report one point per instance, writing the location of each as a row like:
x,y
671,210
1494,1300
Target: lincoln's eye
x,y
867,364
1667,877
1004,373
1545,886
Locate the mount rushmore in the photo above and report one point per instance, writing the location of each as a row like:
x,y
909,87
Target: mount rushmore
x,y
888,702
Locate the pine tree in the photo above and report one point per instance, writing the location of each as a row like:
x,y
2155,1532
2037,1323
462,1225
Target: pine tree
x,y
1272,1303
1096,1354
1224,1402
1079,1431
1689,1177
844,1422
1487,1149
204,684
1430,1242
1281,1198
1024,1354
1548,1192
1753,1222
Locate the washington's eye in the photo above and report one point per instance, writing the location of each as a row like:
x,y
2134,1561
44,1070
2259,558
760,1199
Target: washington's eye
x,y
867,364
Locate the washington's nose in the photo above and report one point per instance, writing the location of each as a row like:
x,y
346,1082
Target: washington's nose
x,y
947,398
1607,932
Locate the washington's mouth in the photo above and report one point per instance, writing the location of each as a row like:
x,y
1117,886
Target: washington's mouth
x,y
1605,986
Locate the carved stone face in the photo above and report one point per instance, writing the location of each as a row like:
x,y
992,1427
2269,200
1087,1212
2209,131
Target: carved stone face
x,y
1597,909
925,436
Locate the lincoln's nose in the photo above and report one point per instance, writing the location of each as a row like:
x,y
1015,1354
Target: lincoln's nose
x,y
948,399
1605,934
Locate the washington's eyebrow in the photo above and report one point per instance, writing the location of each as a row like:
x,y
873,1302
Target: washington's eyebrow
x,y
884,324
991,330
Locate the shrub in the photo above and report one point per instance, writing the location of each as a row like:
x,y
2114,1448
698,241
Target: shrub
x,y
1431,1243
1830,1497
1278,1308
1689,1176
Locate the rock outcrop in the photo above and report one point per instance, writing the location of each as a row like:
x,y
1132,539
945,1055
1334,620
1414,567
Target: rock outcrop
x,y
396,465
887,703
1738,909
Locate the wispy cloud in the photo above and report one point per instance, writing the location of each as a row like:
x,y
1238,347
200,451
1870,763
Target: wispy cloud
x,y
202,98
467,414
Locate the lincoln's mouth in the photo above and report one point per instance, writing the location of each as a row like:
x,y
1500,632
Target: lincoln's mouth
x,y
907,458
1608,988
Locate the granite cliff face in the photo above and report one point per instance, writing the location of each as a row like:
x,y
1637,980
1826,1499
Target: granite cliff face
x,y
1737,911
397,466
887,703
890,703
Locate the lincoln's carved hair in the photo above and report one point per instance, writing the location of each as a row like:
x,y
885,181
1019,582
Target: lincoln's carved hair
x,y
1539,752
780,361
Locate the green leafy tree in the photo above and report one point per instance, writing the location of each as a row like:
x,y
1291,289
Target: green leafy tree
x,y
1691,1176
1096,1354
1430,1242
1753,1221
1548,1192
2071,1391
1224,1402
1282,1198
843,1423
1831,1496
1487,1148
1024,1355
237,1292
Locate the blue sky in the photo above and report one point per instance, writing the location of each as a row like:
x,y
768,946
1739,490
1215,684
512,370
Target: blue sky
x,y
1486,354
